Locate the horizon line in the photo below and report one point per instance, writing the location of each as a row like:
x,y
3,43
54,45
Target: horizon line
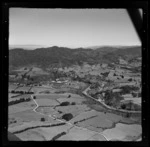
x,y
46,46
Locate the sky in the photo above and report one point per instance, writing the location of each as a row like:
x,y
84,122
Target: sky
x,y
71,27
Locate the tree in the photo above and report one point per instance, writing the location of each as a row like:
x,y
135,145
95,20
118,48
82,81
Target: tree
x,y
130,79
12,91
42,119
69,96
115,74
34,97
123,106
67,116
134,94
73,103
139,94
128,115
64,104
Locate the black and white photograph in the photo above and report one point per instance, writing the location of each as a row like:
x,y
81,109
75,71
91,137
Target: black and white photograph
x,y
74,75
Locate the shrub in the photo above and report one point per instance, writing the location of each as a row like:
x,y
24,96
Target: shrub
x,y
67,116
115,74
42,119
130,79
69,96
123,106
73,103
34,97
12,91
134,94
64,104
128,115
139,94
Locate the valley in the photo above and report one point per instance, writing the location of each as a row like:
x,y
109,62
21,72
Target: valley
x,y
82,94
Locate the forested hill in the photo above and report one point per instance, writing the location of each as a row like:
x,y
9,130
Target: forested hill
x,y
62,56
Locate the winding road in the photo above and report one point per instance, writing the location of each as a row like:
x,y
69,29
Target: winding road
x,y
106,106
82,128
64,121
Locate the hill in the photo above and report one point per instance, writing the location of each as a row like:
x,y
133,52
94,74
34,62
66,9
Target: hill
x,y
62,56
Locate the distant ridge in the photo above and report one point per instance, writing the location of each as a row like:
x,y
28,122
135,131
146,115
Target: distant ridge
x,y
114,46
32,46
26,46
56,56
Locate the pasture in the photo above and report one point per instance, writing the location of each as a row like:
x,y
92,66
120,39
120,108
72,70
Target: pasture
x,y
21,107
77,134
46,102
122,130
50,96
12,87
24,88
29,115
38,90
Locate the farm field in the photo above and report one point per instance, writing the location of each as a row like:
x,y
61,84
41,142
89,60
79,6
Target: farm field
x,y
12,87
46,102
50,96
38,90
58,114
122,132
24,88
86,123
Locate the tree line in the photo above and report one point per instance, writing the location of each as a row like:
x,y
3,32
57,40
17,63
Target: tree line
x,y
22,92
19,101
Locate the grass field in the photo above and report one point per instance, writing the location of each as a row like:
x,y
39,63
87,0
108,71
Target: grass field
x,y
40,89
31,116
24,88
122,130
46,102
12,87
77,134
50,96
21,107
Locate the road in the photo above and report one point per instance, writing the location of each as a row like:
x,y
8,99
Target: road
x,y
106,106
64,121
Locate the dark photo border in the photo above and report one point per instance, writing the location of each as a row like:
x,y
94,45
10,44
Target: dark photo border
x,y
141,25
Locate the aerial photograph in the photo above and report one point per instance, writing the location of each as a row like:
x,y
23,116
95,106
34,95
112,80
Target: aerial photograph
x,y
74,75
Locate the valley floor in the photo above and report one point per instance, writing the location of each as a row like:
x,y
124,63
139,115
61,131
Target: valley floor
x,y
42,119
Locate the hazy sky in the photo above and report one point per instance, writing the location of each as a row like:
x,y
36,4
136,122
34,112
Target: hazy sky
x,y
71,27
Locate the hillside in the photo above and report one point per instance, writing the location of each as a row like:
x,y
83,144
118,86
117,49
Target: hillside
x,y
62,56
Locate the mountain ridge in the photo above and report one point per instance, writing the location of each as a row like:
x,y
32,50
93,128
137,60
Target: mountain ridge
x,y
55,55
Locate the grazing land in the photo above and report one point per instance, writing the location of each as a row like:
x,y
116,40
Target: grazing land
x,y
89,100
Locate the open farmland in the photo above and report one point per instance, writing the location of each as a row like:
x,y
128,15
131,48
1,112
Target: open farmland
x,y
12,87
96,96
86,123
21,107
121,131
24,88
46,102
50,96
41,89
